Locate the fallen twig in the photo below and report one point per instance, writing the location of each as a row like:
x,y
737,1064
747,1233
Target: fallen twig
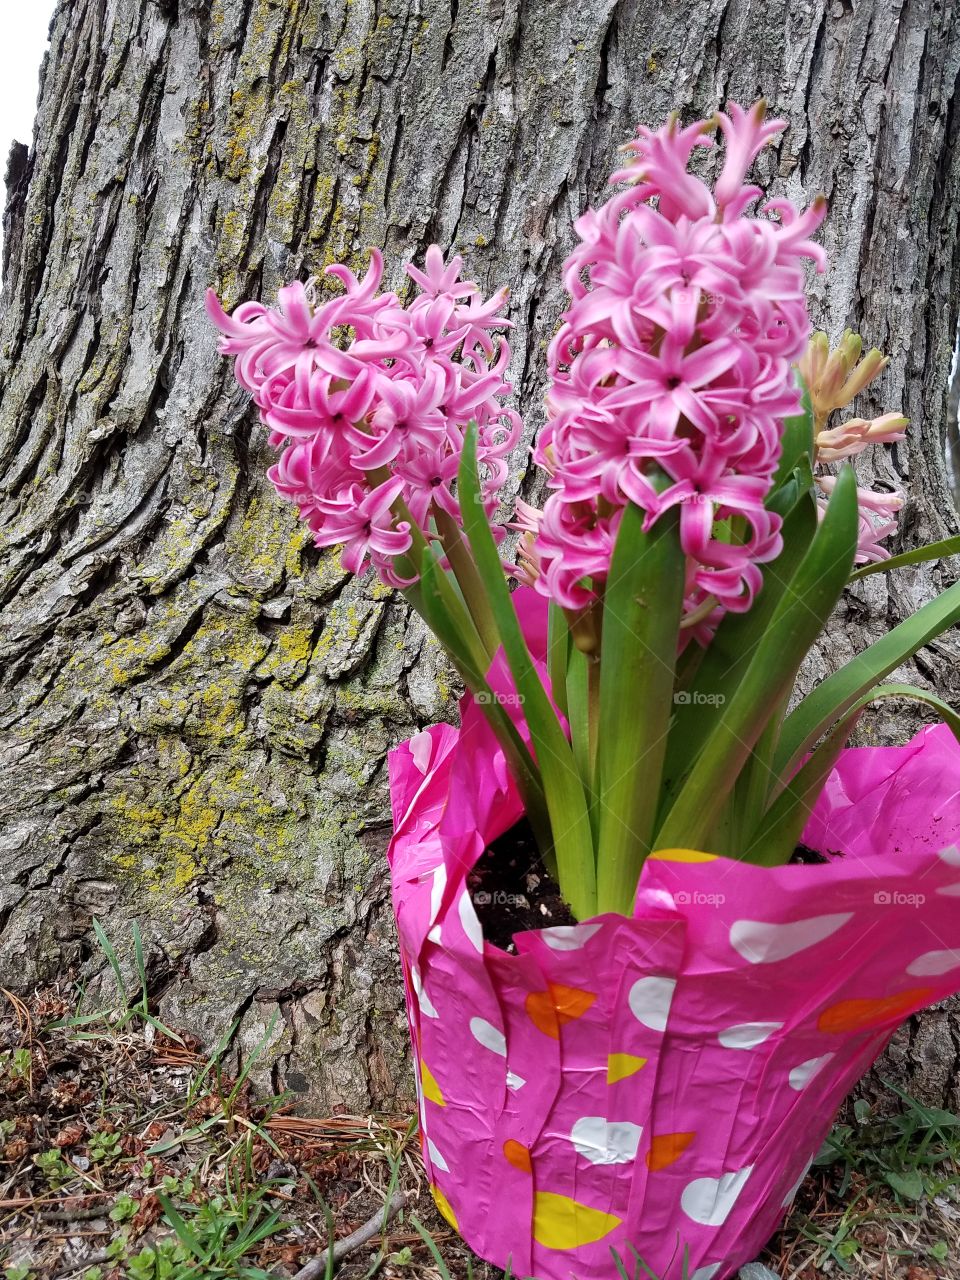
x,y
75,1215
341,1249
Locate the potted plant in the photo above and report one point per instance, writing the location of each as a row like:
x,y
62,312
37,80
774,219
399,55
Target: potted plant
x,y
739,909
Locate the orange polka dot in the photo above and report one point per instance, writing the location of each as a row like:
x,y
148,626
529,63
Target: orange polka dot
x,y
518,1155
549,1010
860,1015
666,1148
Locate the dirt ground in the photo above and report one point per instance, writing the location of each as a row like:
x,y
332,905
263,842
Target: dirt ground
x,y
127,1153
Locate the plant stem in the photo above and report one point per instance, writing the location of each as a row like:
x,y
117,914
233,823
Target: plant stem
x,y
465,572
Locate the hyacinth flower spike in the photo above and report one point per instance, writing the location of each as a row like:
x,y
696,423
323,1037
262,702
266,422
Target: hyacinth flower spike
x,y
701,517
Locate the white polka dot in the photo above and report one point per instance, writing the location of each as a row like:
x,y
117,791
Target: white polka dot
x,y
604,1141
486,1033
707,1272
421,749
471,925
791,1195
436,1159
763,943
424,1001
437,886
949,890
748,1034
650,1001
801,1076
951,855
709,1201
514,1081
933,963
569,937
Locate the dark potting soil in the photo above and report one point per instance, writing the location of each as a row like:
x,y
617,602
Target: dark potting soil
x,y
513,892
809,857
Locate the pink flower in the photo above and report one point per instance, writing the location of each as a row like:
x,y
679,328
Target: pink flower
x,y
364,523
872,504
671,371
526,521
856,435
368,401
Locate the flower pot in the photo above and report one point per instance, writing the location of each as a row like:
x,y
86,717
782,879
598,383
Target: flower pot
x,y
658,1086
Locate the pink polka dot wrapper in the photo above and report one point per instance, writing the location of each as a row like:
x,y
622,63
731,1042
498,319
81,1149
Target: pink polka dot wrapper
x,y
658,1086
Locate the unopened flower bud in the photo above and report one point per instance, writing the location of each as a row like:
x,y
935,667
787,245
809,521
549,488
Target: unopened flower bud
x,y
872,364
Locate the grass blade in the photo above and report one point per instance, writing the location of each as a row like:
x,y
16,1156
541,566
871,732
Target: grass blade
x,y
180,1228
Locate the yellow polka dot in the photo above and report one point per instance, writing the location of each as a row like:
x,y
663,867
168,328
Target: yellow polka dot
x,y
443,1204
622,1065
562,1223
682,855
431,1090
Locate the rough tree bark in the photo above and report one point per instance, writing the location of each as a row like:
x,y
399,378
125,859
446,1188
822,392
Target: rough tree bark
x,y
195,705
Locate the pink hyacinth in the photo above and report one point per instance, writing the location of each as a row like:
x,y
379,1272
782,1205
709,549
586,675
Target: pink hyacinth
x,y
368,401
671,372
875,509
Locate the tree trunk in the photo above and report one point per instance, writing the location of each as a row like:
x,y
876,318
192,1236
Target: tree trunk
x,y
195,704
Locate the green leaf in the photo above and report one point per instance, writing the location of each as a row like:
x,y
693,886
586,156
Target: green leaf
x,y
919,555
777,834
437,616
811,718
582,717
642,606
797,444
782,500
797,621
558,654
562,785
183,1233
713,682
774,841
908,1185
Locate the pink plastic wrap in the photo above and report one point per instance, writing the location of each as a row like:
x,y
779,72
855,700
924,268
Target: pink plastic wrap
x,y
661,1082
